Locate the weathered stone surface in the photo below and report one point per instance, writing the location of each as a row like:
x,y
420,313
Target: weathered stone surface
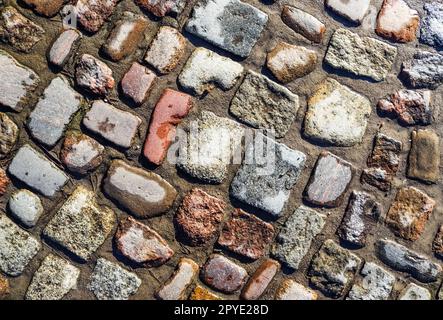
x,y
199,217
295,237
175,288
4,287
246,235
92,14
140,244
8,134
143,193
403,259
80,153
288,62
437,245
125,37
94,75
260,280
333,269
305,24
16,81
360,56
201,293
81,225
377,284
424,70
424,157
206,153
38,172
54,111
109,281
26,207
160,8
222,274
48,8
137,83
115,125
166,50
63,47
169,111
409,213
264,104
361,215
336,115
17,247
4,182
383,162
219,22
329,181
414,292
432,25
291,290
53,280
205,70
18,31
267,185
397,21
352,10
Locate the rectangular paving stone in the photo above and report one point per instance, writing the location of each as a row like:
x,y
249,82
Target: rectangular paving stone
x,y
292,290
352,10
260,280
54,111
232,25
80,226
48,8
424,70
161,8
64,47
268,185
264,104
430,31
37,171
137,83
92,14
303,23
16,81
17,247
296,236
414,292
115,125
53,280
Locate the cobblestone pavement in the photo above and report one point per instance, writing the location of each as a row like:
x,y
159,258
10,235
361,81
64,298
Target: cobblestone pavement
x,y
91,209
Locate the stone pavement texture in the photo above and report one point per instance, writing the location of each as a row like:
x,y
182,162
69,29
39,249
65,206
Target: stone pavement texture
x,y
93,205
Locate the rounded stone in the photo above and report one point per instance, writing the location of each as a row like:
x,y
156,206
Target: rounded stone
x,y
26,207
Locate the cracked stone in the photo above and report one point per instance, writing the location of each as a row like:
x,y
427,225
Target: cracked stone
x,y
201,293
296,236
161,8
291,290
361,216
80,153
18,31
267,185
264,104
199,217
125,36
166,50
206,70
437,245
303,23
206,153
64,47
91,14
94,75
26,207
224,275
329,181
336,115
333,269
424,157
403,259
109,281
115,125
53,280
424,70
232,25
176,287
54,111
397,21
414,292
81,225
352,10
288,62
143,193
37,171
409,213
376,284
141,244
16,82
17,247
8,134
360,56
246,235
431,31
137,83
260,280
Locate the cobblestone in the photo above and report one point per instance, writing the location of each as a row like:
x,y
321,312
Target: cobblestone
x,y
64,47
137,83
352,10
424,70
414,292
26,207
431,26
8,134
304,23
291,290
424,157
260,280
